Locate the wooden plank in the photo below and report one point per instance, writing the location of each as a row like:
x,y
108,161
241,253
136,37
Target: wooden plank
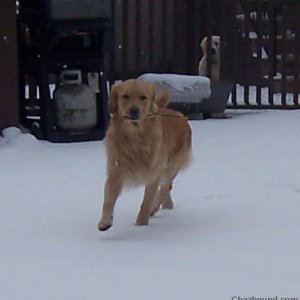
x,y
271,47
131,34
157,42
164,13
234,42
9,98
284,57
144,39
181,46
259,45
170,33
247,51
192,37
209,32
197,35
119,41
296,96
138,50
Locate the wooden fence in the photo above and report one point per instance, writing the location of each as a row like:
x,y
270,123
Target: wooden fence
x,y
267,45
260,44
159,35
9,102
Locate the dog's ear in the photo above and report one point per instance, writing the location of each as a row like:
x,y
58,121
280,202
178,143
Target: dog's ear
x,y
217,38
113,99
162,98
152,94
204,45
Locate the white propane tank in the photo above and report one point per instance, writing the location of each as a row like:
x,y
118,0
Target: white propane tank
x,y
76,107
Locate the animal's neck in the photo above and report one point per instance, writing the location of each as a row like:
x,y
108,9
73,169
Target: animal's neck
x,y
213,61
135,130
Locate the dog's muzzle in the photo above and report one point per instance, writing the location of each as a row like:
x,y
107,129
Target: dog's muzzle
x,y
133,114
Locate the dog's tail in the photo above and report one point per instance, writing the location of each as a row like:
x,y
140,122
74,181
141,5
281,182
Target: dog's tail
x,y
162,98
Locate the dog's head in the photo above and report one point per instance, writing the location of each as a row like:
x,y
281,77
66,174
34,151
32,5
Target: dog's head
x,y
132,100
215,46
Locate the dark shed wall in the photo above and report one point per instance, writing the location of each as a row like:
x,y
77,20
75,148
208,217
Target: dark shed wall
x,y
162,35
9,110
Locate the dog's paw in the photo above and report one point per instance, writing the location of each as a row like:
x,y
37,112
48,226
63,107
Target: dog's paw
x,y
154,210
104,225
142,221
168,203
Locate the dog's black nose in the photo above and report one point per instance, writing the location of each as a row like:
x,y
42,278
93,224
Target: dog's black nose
x,y
134,113
213,50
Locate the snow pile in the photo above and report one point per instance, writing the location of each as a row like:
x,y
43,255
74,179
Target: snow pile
x,y
183,88
9,134
3,140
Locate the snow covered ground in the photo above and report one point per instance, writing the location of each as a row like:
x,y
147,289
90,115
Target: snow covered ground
x,y
234,230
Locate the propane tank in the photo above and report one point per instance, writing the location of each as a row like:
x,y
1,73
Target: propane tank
x,y
75,103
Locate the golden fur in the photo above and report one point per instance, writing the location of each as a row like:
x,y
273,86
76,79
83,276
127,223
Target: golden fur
x,y
146,144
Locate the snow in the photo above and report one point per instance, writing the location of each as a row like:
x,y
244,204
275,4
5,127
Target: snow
x,y
183,88
234,230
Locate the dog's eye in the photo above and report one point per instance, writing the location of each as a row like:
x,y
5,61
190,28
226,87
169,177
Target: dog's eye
x,y
143,97
125,96
216,43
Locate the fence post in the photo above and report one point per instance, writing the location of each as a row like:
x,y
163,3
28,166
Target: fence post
x,y
9,102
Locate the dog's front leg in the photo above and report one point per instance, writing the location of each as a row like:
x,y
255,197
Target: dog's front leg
x,y
113,187
147,204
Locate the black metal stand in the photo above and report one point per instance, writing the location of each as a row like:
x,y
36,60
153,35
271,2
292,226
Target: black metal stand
x,y
47,47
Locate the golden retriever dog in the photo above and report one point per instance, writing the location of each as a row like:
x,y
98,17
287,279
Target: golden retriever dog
x,y
147,144
215,57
